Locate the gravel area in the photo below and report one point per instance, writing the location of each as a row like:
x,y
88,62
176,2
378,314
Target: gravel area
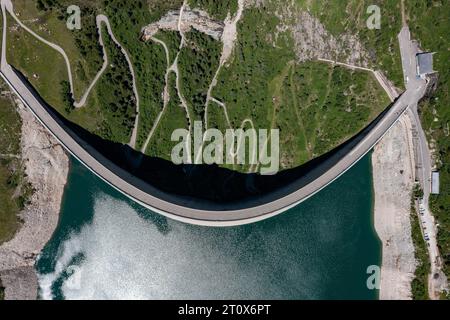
x,y
393,175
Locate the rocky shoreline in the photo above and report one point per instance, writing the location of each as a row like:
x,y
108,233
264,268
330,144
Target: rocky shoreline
x,y
393,178
46,166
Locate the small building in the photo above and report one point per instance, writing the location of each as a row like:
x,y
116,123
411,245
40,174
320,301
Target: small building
x,y
424,63
435,182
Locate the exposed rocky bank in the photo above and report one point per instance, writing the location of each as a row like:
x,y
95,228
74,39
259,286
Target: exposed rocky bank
x,y
393,175
46,166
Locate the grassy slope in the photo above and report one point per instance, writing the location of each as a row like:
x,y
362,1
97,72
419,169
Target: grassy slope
x,y
259,84
216,117
198,61
115,91
9,144
172,39
248,82
14,190
419,286
173,118
84,63
429,22
127,18
43,66
46,70
315,106
216,9
320,107
351,16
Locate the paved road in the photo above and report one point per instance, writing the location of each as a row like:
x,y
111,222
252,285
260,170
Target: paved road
x,y
132,187
417,85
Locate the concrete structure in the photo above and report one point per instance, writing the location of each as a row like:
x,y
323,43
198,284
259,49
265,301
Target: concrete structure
x,y
153,199
424,62
435,182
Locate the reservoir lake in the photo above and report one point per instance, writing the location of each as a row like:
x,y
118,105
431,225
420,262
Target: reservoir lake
x,y
108,247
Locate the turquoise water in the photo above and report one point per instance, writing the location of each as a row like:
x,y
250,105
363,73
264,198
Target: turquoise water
x,y
109,247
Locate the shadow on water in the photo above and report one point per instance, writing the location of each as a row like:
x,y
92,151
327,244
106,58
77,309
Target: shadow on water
x,y
206,187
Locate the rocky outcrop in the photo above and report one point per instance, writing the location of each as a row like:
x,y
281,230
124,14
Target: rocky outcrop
x,y
313,40
192,18
46,167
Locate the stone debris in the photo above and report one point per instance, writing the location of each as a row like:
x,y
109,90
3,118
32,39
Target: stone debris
x,y
192,18
46,167
313,41
393,175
